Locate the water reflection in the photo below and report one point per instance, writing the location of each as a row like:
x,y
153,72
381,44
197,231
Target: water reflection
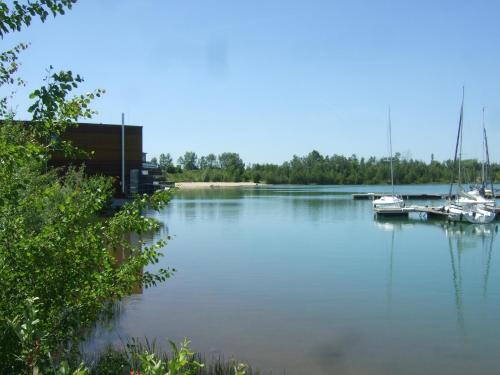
x,y
209,210
457,284
213,204
304,279
135,240
488,263
391,225
460,237
467,233
391,266
464,237
325,208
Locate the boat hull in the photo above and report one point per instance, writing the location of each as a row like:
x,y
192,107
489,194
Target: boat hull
x,y
388,201
468,214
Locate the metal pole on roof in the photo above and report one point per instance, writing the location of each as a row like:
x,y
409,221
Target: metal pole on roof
x,y
123,153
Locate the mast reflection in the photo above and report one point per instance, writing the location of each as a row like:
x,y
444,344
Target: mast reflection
x,y
461,237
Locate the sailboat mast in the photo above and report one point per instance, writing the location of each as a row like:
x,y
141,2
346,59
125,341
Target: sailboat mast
x,y
459,142
483,181
488,166
390,151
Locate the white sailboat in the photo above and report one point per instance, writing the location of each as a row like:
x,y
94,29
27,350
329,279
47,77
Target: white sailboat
x,y
470,206
393,200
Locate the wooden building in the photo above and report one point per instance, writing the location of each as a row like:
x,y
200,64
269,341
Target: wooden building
x,y
108,147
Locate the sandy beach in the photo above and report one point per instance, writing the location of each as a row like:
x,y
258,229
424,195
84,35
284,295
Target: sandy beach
x,y
206,185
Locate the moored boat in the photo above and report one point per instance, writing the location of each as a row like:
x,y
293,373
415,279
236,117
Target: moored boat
x,y
390,200
470,206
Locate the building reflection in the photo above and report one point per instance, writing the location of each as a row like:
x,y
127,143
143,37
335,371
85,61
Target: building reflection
x,y
133,240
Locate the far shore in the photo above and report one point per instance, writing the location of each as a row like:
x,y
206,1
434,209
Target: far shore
x,y
206,185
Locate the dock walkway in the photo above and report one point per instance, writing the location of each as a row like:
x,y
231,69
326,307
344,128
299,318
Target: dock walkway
x,y
369,196
437,212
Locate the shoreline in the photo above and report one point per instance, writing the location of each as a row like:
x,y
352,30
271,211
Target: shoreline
x,y
212,185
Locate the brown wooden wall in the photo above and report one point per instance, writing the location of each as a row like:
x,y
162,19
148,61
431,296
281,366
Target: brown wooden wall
x,y
105,141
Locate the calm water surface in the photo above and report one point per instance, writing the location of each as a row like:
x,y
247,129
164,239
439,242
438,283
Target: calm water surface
x,y
303,280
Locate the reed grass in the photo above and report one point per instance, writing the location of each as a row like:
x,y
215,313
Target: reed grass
x,y
121,360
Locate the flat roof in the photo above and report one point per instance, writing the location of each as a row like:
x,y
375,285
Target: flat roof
x,y
101,124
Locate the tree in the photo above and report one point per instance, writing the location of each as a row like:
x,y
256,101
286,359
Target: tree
x,y
203,163
232,163
53,244
208,162
166,164
57,269
189,161
19,15
211,160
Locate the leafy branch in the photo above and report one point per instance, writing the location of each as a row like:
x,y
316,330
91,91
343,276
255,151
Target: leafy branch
x,y
18,15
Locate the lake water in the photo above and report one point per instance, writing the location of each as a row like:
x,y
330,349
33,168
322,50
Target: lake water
x,y
304,280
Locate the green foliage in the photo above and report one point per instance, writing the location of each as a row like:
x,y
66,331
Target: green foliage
x,y
31,338
182,362
315,168
228,166
232,163
33,357
211,161
112,362
58,272
189,161
64,369
16,16
53,110
145,358
55,246
166,164
9,66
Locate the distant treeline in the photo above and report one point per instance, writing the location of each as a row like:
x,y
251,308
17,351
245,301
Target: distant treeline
x,y
318,169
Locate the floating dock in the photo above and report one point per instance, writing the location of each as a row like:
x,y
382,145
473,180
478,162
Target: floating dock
x,y
370,196
431,212
393,211
424,196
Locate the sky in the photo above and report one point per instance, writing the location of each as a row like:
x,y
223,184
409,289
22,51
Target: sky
x,y
270,79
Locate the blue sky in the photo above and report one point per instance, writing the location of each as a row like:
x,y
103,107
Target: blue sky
x,y
270,79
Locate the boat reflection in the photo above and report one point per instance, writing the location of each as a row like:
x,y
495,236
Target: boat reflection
x,y
463,230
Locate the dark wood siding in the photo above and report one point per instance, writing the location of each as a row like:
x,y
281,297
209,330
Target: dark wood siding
x,y
105,142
